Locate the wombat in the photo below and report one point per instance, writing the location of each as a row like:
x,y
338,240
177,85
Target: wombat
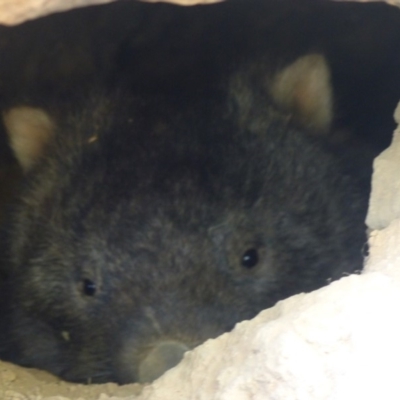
x,y
149,224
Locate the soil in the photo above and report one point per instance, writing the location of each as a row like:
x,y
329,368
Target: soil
x,y
17,383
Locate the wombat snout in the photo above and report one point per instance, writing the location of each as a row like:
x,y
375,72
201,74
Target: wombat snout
x,y
159,359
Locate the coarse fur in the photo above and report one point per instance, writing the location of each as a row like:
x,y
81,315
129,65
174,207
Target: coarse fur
x,y
135,222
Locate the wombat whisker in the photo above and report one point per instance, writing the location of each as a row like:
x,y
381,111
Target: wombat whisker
x,y
94,377
149,313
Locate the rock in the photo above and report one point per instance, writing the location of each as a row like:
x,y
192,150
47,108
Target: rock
x,y
385,202
13,12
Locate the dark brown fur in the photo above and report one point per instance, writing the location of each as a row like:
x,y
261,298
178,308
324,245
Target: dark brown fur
x,y
153,220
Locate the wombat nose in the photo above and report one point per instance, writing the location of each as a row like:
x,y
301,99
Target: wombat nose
x,y
160,359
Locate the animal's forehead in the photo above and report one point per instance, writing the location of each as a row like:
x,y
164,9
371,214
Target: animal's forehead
x,y
213,221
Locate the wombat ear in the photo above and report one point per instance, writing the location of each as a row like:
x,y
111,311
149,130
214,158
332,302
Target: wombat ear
x,y
29,130
304,89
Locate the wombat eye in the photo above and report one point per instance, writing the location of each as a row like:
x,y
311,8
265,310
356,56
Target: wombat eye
x,y
250,258
89,287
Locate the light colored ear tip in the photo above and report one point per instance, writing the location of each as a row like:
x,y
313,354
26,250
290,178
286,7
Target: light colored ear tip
x,y
29,130
314,59
304,89
310,64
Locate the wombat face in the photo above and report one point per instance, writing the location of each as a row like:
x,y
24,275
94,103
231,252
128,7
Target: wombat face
x,y
145,228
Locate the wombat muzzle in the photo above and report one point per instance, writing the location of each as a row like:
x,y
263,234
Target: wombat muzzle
x,y
161,358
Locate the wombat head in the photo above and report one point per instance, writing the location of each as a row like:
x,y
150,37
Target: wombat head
x,y
147,225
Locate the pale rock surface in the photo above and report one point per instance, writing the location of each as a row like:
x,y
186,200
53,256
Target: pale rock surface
x,y
16,11
13,12
385,202
18,383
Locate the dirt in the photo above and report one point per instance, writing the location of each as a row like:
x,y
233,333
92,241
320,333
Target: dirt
x,y
18,383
